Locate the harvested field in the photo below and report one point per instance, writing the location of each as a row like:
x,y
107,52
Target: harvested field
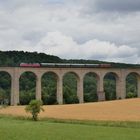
x,y
119,110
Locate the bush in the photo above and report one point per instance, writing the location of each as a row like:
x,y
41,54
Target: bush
x,y
131,95
90,97
34,107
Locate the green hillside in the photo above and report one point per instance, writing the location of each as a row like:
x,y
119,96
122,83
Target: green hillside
x,y
14,58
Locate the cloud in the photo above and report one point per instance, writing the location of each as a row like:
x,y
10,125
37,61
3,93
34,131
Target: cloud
x,y
88,25
91,6
64,46
118,6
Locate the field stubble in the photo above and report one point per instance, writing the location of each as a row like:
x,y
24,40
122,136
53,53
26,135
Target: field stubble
x,y
119,110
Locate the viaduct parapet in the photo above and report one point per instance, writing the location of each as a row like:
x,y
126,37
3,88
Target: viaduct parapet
x,y
120,74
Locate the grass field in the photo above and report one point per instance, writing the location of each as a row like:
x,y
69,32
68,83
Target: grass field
x,y
18,129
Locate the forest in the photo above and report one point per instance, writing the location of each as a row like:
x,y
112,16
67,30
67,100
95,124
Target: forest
x,y
28,80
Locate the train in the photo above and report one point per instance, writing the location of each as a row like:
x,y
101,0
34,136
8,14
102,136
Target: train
x,y
64,65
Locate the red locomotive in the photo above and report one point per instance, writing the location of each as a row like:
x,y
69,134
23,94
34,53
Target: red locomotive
x,y
30,65
105,65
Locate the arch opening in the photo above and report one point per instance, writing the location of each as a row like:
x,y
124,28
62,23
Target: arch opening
x,y
90,87
110,86
49,88
132,85
5,88
70,81
27,87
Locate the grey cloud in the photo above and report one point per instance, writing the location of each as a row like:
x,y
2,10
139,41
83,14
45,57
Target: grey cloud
x,y
21,3
23,23
33,36
54,1
109,6
118,5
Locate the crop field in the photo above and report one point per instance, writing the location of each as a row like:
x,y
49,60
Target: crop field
x,y
74,122
119,110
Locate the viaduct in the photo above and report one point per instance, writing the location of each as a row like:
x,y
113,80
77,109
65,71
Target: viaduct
x,y
120,75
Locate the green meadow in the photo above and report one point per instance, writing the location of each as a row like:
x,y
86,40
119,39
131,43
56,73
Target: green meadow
x,y
49,129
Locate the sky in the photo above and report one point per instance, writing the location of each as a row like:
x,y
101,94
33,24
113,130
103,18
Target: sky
x,y
107,30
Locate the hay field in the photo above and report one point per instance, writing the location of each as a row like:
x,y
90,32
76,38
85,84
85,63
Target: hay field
x,y
119,110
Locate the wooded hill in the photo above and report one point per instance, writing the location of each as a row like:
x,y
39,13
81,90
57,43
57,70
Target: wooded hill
x,y
27,80
14,58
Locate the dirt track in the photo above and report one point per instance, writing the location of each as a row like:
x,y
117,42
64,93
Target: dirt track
x,y
122,110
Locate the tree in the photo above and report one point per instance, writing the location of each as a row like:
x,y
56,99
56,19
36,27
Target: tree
x,y
34,107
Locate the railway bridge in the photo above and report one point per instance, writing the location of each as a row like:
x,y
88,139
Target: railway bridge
x,y
120,75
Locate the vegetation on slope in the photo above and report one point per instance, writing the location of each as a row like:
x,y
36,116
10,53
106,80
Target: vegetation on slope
x,y
14,58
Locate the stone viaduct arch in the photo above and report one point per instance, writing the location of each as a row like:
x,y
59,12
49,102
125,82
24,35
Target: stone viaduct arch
x,y
23,90
137,75
95,79
77,77
121,74
5,88
45,82
115,77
